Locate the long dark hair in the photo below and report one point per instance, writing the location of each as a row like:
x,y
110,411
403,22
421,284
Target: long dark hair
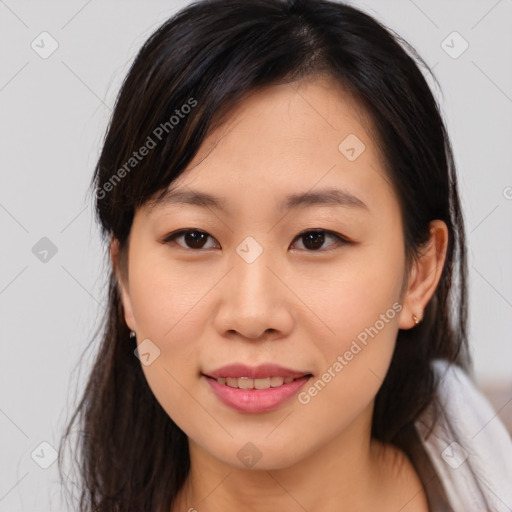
x,y
191,72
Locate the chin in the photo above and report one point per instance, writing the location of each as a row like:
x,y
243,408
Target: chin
x,y
258,455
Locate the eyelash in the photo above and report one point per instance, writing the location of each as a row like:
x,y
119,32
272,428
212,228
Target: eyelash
x,y
340,240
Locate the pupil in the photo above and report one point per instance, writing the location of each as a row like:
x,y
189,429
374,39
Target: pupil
x,y
193,239
316,237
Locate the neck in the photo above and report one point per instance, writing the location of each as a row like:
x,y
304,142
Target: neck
x,y
342,475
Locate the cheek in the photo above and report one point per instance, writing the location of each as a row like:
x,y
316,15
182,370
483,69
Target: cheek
x,y
166,309
358,299
358,303
164,295
362,311
168,305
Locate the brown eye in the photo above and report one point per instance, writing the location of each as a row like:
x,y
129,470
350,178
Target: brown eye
x,y
313,240
192,239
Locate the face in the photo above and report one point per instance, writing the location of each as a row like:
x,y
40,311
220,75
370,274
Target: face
x,y
310,286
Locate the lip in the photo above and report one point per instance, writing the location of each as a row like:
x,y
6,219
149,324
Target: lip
x,y
256,400
262,371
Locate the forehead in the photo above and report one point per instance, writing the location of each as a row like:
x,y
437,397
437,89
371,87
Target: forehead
x,y
292,139
318,110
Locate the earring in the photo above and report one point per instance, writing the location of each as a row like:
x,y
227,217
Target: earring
x,y
133,334
416,319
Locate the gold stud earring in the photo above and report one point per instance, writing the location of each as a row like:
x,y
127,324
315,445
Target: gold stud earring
x,y
416,319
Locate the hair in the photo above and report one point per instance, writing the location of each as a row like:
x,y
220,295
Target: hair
x,y
209,57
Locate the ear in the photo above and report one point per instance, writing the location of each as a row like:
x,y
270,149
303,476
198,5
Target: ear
x,y
424,275
121,275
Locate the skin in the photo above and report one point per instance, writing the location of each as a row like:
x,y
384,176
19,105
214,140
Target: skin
x,y
294,306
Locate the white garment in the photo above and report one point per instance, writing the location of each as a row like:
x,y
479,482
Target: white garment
x,y
469,447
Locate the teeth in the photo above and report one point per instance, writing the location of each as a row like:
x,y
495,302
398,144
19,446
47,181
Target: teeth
x,y
276,381
247,383
261,383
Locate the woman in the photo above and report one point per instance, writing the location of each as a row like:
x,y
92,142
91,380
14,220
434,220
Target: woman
x,y
287,309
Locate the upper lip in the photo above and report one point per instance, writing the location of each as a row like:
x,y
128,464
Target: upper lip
x,y
262,371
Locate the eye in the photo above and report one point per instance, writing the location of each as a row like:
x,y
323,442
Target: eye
x,y
313,240
193,238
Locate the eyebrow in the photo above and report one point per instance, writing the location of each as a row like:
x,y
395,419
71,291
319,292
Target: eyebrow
x,y
324,197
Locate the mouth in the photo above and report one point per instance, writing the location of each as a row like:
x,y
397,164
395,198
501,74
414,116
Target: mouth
x,y
255,389
262,383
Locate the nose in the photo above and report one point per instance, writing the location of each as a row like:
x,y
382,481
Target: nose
x,y
254,301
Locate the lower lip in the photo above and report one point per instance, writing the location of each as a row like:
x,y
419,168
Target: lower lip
x,y
256,400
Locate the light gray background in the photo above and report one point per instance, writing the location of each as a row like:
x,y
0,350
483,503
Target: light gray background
x,y
54,113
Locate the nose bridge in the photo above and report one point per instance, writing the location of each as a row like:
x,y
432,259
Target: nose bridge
x,y
254,301
253,280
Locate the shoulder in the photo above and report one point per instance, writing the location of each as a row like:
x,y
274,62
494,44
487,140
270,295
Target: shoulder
x,y
466,442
